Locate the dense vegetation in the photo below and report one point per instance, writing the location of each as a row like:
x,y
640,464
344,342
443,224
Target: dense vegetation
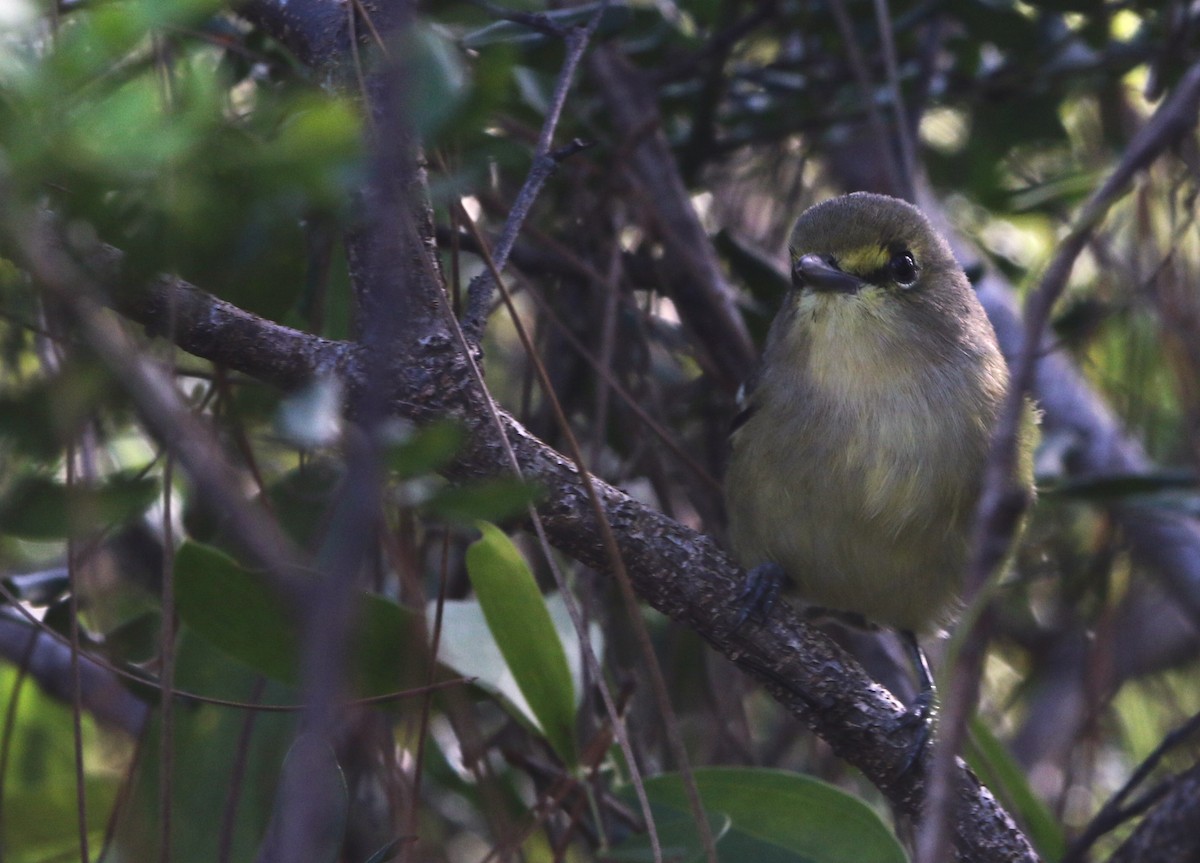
x,y
284,578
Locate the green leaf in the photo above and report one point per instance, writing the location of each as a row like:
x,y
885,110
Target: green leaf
x,y
426,450
233,608
774,816
1008,780
438,80
383,633
518,618
493,499
37,507
469,648
41,417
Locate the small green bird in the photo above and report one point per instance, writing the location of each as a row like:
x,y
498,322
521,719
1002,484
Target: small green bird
x,y
859,451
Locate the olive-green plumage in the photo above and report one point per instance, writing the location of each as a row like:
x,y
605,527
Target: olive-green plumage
x,y
858,455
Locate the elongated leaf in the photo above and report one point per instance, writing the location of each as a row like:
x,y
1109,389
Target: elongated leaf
x,y
38,507
1000,772
518,619
233,608
774,816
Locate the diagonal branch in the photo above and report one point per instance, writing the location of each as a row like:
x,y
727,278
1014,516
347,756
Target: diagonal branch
x,y
678,571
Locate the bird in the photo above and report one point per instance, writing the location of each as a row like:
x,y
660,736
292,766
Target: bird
x,y
859,447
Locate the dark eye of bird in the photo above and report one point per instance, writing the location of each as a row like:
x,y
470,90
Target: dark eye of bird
x,y
903,269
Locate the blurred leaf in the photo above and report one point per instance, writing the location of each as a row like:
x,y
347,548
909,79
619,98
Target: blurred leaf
x,y
311,416
774,816
136,640
37,507
438,83
210,745
1009,781
613,18
301,498
235,610
40,418
383,633
518,619
426,449
495,499
311,769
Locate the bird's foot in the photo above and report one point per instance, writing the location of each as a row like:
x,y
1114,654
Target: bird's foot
x,y
759,593
920,713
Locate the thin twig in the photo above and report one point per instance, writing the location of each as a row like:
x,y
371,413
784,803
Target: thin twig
x,y
142,680
1113,813
10,718
237,775
589,655
76,677
858,65
435,642
535,21
616,561
610,380
1002,504
903,131
545,162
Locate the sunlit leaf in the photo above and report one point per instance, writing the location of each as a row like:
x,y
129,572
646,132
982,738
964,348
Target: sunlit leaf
x,y
518,619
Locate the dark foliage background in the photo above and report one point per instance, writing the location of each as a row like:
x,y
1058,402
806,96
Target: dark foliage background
x,y
245,462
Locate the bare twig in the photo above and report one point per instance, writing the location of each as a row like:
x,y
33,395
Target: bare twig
x,y
694,279
1001,503
901,128
545,163
76,580
577,621
1169,832
880,133
1114,812
617,565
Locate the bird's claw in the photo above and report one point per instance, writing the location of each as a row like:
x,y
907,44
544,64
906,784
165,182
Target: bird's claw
x,y
759,593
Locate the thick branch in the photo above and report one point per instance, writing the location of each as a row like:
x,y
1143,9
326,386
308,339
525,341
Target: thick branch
x,y
681,573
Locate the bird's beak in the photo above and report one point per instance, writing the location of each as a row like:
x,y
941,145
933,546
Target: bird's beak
x,y
812,271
